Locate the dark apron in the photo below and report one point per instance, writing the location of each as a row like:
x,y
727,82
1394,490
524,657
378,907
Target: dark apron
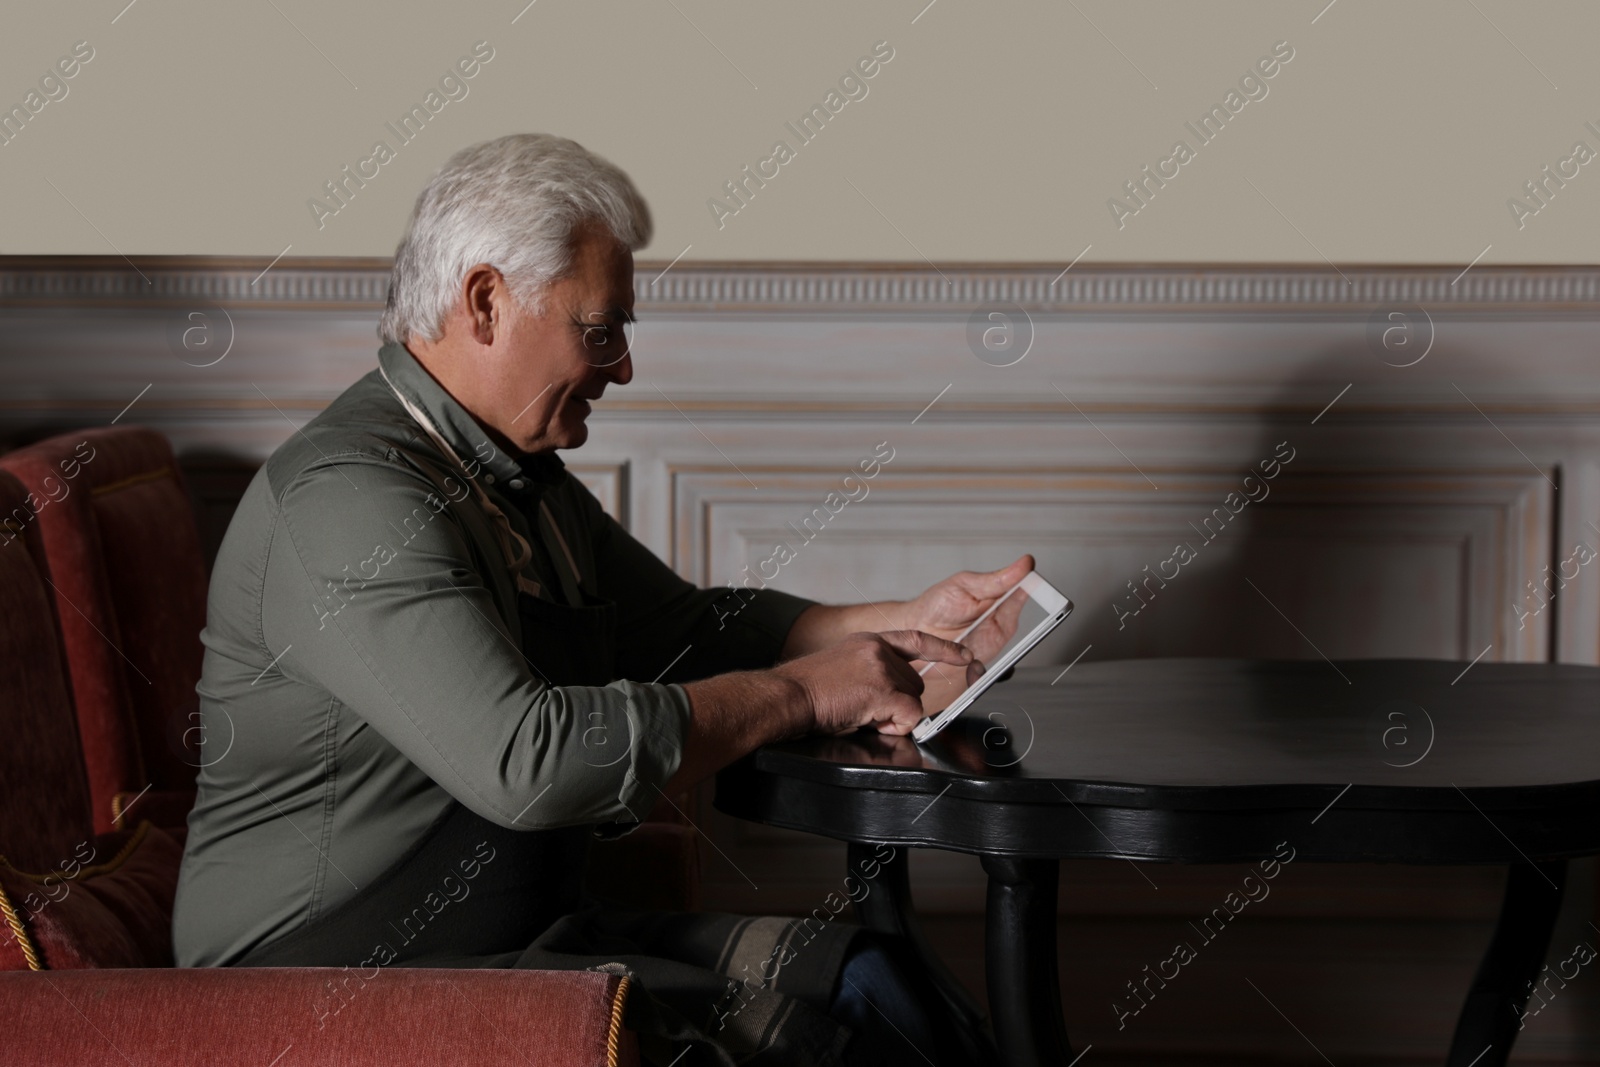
x,y
527,908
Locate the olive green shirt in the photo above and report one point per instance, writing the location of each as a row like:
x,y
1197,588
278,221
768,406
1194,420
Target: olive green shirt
x,y
365,662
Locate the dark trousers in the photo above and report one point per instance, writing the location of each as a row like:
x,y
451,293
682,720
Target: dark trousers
x,y
897,1014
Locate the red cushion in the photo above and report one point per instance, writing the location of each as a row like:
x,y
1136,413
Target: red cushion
x,y
125,554
106,904
317,1017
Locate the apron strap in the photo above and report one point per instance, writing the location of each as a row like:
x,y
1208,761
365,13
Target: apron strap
x,y
513,546
566,566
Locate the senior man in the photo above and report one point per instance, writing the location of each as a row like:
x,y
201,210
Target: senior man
x,y
420,625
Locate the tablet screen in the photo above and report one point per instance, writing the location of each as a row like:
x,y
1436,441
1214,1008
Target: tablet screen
x,y
1038,608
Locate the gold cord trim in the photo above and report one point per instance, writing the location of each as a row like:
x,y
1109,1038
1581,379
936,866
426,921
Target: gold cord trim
x,y
19,929
20,932
122,802
100,868
131,481
614,1032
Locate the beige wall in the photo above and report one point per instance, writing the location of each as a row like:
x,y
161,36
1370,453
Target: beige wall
x,y
1396,133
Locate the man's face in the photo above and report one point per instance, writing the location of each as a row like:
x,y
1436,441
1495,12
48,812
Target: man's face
x,y
552,365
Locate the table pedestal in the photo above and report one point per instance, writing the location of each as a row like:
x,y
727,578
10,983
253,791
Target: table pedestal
x,y
1025,987
1492,1014
1020,956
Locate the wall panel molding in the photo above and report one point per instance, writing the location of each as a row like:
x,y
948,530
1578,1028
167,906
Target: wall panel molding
x,y
1472,537
829,287
609,484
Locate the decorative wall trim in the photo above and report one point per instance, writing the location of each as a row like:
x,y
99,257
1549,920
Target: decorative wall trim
x,y
88,281
813,287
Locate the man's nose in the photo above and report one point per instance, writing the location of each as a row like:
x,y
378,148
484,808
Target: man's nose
x,y
621,371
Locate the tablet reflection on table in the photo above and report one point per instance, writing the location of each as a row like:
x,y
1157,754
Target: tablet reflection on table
x,y
981,743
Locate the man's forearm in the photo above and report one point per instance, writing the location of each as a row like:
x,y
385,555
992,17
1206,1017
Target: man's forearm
x,y
736,713
823,625
732,714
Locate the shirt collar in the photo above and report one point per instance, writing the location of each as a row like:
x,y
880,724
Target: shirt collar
x,y
459,429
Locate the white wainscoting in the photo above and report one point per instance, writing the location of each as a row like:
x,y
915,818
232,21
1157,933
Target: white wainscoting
x,y
1422,505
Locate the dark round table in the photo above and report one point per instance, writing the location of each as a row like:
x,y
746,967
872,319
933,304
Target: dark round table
x,y
1213,761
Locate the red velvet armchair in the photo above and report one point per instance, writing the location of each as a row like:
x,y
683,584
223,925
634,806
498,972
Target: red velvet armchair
x,y
86,969
114,519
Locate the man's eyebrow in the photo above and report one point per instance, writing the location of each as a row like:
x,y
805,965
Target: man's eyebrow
x,y
615,313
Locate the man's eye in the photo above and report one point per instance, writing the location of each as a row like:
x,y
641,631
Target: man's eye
x,y
596,336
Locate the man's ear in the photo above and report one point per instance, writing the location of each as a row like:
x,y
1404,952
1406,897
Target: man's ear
x,y
487,299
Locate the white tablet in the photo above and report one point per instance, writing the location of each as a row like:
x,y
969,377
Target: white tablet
x,y
1042,611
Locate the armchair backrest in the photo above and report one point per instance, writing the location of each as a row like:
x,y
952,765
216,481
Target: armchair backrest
x,y
124,553
44,797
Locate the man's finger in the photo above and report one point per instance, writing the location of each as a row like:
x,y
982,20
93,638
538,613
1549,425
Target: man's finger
x,y
902,719
1008,614
999,627
984,584
917,645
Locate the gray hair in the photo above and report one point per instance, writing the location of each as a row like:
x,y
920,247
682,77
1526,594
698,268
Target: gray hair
x,y
512,203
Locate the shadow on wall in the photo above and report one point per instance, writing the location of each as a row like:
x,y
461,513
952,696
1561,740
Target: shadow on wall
x,y
1334,539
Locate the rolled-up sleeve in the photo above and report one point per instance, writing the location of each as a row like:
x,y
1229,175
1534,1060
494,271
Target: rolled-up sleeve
x,y
373,585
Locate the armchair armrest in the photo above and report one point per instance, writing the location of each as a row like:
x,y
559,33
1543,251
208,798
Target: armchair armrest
x,y
327,1015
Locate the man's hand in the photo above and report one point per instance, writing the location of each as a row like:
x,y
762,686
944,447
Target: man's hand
x,y
944,611
864,679
867,679
952,605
